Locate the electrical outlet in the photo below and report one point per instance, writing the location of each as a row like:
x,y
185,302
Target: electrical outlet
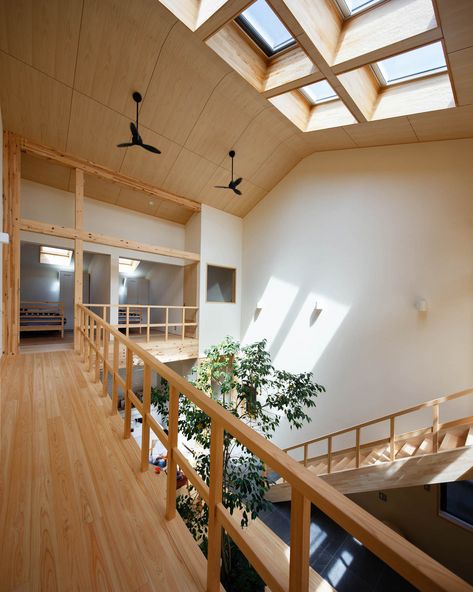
x,y
382,496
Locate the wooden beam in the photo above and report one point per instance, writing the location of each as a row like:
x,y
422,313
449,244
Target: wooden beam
x,y
78,252
101,239
103,172
11,252
214,14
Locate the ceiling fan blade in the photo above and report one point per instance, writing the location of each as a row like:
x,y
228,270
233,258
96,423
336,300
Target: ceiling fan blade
x,y
221,187
237,181
125,144
237,191
150,148
134,131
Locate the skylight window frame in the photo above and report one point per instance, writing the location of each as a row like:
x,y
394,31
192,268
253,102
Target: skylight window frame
x,y
346,13
131,267
313,103
59,256
410,77
260,41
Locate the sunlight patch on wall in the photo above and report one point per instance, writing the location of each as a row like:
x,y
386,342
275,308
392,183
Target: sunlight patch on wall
x,y
271,311
317,322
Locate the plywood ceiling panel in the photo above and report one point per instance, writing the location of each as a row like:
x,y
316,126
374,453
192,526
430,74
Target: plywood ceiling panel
x,y
33,104
42,34
47,173
95,131
397,130
119,46
462,70
68,68
98,188
185,76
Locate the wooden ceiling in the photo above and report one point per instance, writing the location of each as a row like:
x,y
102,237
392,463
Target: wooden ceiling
x,y
68,68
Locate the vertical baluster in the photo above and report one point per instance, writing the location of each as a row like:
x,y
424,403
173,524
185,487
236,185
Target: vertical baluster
x,y
215,498
392,436
329,454
146,412
183,333
148,324
358,455
104,313
116,354
91,340
128,385
173,427
435,426
106,341
300,543
98,330
127,321
166,328
306,453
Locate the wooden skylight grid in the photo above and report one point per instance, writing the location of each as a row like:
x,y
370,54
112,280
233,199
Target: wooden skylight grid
x,y
342,43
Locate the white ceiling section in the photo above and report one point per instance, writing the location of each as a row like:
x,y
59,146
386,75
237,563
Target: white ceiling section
x,y
68,68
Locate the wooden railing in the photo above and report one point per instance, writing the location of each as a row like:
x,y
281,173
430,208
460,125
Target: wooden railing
x,y
42,315
98,339
138,316
390,440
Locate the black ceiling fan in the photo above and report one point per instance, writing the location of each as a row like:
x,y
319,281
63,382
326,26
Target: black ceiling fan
x,y
136,139
234,182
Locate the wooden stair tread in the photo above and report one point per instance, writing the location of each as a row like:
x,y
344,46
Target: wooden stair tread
x,y
449,442
469,438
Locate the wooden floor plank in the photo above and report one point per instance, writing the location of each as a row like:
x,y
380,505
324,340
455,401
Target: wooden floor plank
x,y
77,513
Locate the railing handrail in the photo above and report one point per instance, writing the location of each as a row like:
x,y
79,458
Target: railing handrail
x,y
387,417
142,305
412,563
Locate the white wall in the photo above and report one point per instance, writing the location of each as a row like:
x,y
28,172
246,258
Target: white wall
x,y
221,244
99,279
166,286
362,234
54,206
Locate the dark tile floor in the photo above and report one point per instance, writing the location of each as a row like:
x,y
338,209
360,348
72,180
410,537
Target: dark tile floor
x,y
337,556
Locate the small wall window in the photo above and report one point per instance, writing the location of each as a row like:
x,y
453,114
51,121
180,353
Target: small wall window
x,y
456,502
221,282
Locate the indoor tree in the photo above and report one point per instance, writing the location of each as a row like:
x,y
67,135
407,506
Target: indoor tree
x,y
245,382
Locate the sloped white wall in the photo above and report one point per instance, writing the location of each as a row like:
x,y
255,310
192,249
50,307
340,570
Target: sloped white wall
x,y
361,235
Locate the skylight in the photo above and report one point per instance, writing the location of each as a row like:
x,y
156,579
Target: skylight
x,y
411,64
319,92
127,265
264,27
55,256
351,7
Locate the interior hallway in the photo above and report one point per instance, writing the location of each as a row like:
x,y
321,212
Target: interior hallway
x,y
75,511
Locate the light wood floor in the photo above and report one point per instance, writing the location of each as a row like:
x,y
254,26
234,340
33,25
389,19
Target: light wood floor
x,y
46,341
75,512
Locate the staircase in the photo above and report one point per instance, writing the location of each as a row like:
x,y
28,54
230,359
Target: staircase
x,y
436,454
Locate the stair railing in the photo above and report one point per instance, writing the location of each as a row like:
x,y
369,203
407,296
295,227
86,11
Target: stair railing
x,y
434,430
99,347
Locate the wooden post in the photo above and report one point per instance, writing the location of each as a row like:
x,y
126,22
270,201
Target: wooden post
x,y
11,252
306,452
329,454
215,498
92,339
358,456
173,428
104,313
116,354
300,543
106,341
148,323
127,320
166,329
78,252
435,427
146,412
392,452
183,332
128,385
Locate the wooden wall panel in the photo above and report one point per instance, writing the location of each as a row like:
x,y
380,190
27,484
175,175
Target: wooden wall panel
x,y
457,23
462,72
396,130
448,124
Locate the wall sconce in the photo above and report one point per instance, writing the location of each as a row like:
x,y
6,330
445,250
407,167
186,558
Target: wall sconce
x,y
4,238
315,314
421,305
258,309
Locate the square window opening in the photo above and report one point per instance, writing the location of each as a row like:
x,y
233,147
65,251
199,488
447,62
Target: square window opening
x,y
221,284
349,8
319,92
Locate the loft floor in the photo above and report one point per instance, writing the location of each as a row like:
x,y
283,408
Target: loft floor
x,y
75,511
